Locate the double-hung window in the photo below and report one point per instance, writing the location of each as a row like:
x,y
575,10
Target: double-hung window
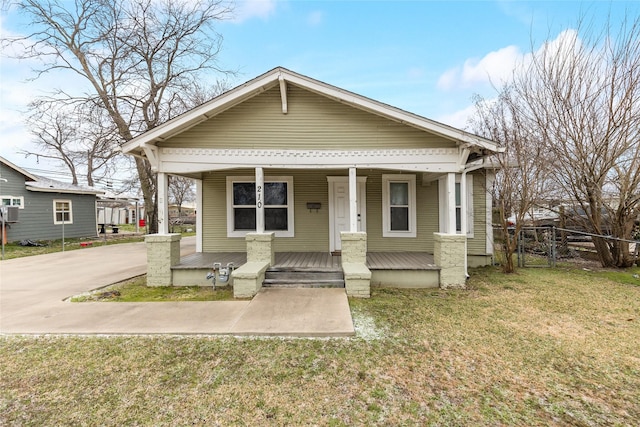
x,y
458,205
278,206
62,212
399,205
13,201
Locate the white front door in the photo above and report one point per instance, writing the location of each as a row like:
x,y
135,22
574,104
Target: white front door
x,y
339,208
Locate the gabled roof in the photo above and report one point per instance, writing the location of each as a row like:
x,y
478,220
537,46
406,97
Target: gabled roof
x,y
48,185
27,175
282,76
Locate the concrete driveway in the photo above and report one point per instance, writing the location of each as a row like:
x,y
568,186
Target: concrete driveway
x,y
33,289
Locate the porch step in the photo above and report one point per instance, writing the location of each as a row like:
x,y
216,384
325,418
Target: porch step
x,y
291,277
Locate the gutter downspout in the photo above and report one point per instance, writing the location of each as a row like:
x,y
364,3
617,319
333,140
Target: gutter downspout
x,y
463,204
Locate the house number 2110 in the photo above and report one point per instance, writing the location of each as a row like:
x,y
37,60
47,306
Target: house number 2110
x,y
259,193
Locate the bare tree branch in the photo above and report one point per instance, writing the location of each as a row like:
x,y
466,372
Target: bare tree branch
x,y
579,97
136,56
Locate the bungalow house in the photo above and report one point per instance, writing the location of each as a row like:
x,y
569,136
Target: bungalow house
x,y
46,209
295,176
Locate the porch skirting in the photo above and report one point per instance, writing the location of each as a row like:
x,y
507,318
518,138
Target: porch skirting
x,y
388,269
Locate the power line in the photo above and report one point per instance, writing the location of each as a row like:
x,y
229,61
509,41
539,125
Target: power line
x,y
69,176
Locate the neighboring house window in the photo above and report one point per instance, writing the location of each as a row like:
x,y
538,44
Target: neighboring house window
x,y
399,205
62,212
278,205
13,201
459,209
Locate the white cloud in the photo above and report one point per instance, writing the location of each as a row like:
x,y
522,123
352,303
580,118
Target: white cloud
x,y
247,9
496,67
458,119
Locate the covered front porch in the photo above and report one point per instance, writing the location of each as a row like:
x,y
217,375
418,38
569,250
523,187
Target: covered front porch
x,y
351,214
359,270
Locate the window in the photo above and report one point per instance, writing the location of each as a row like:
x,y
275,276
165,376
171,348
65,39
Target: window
x,y
458,204
399,205
62,212
13,201
241,205
459,209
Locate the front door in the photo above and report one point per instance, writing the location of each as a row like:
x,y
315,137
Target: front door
x,y
339,208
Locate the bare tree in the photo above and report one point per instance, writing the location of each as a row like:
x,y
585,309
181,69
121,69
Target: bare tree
x,y
578,98
54,134
180,191
520,169
136,56
78,135
582,94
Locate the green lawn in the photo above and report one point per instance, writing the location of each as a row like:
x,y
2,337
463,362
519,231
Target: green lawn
x,y
541,347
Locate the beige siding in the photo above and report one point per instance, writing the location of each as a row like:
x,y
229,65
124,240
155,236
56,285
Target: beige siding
x,y
313,122
478,245
311,227
426,217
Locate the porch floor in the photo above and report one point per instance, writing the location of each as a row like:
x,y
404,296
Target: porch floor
x,y
316,260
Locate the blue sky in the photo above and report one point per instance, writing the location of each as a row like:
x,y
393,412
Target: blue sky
x,y
427,57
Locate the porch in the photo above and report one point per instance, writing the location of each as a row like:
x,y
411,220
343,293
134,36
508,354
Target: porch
x,y
392,269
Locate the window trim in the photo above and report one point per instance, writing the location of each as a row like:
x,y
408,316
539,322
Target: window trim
x,y
55,211
387,179
11,200
231,232
442,202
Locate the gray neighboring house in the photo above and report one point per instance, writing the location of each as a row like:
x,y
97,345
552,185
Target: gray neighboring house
x,y
46,207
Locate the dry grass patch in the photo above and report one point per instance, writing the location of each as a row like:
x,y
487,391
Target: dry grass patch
x,y
136,290
542,347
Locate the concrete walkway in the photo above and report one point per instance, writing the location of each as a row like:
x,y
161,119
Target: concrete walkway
x,y
33,289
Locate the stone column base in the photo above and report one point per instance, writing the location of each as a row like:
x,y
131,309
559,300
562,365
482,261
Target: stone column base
x,y
163,252
449,254
357,277
260,247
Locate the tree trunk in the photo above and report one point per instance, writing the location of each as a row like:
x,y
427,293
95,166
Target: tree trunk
x,y
89,169
148,185
604,254
509,248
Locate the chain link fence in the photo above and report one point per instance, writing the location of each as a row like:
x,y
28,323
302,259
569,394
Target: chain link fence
x,y
546,246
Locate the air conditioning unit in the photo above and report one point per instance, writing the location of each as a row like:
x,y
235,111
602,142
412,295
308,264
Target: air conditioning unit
x,y
10,213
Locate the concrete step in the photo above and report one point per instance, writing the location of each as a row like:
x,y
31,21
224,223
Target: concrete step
x,y
302,284
303,277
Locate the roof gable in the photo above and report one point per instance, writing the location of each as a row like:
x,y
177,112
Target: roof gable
x,y
282,77
27,175
313,122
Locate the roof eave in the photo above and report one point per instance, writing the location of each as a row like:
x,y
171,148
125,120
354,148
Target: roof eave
x,y
18,169
63,190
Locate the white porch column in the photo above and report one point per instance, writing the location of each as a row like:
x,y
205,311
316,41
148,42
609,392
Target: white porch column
x,y
198,215
163,203
451,203
353,201
463,204
259,200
